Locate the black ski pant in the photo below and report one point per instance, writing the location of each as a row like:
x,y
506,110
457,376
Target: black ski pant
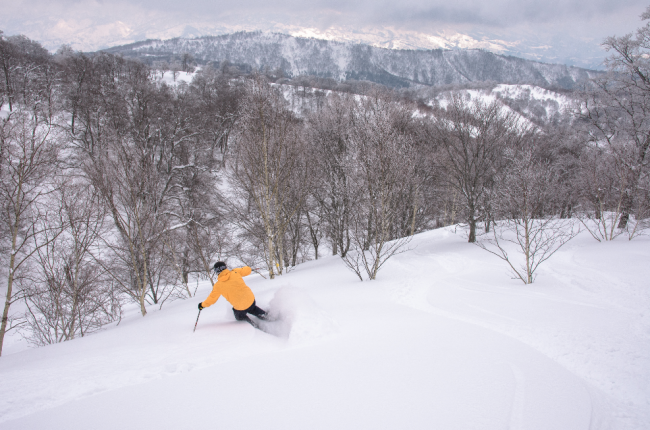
x,y
253,310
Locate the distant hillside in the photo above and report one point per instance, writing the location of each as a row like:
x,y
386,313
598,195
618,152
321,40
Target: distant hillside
x,y
345,61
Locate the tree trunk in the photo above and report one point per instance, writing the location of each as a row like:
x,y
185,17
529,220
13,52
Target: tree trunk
x,y
415,211
626,208
529,273
472,230
10,284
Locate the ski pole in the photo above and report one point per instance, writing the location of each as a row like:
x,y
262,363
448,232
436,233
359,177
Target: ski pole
x,y
197,321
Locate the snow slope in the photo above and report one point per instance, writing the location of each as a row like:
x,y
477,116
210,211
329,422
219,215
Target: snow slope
x,y
443,339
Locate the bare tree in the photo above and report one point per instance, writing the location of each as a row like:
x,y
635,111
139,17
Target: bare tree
x,y
384,175
175,68
187,62
315,223
211,104
25,71
129,135
295,240
29,152
471,135
68,293
330,139
522,197
601,197
616,112
270,172
216,98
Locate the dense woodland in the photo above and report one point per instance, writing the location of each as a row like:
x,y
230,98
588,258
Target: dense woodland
x,y
116,187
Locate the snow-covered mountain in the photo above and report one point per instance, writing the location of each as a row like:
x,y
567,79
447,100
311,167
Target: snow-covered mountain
x,y
297,56
94,26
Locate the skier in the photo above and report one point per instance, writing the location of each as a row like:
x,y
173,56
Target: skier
x,y
231,285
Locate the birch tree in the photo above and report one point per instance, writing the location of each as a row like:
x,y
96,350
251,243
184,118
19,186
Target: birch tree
x,y
29,152
69,294
330,137
270,173
523,199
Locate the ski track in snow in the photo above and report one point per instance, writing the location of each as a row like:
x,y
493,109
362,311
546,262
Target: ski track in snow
x,y
613,362
443,339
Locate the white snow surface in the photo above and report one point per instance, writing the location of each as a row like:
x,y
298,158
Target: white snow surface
x,y
533,92
181,77
443,339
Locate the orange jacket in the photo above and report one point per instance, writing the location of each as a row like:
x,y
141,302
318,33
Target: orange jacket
x,y
231,285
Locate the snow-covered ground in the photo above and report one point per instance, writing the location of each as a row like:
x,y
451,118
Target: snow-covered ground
x,y
444,339
527,96
181,76
533,92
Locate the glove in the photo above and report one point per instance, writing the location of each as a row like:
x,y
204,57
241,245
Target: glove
x,y
201,306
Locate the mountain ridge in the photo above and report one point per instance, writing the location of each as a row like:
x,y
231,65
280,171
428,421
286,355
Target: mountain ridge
x,y
98,28
399,68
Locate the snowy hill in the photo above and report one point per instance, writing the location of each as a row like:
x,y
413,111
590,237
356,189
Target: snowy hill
x,y
538,105
297,56
443,339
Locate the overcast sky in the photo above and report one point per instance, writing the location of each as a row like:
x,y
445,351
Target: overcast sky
x,y
483,12
553,19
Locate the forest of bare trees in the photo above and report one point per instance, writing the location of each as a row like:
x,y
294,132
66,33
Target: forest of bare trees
x,y
117,187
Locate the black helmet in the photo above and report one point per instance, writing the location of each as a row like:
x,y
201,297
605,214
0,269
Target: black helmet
x,y
218,267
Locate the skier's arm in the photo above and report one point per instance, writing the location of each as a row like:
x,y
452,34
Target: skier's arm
x,y
213,297
243,271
